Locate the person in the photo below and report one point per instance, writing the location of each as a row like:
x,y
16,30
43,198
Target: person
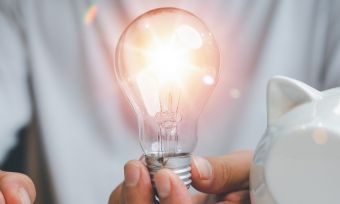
x,y
57,82
226,178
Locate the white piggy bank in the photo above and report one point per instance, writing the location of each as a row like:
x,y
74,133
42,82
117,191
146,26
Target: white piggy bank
x,y
298,159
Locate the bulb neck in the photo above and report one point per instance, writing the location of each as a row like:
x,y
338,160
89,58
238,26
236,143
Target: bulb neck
x,y
179,164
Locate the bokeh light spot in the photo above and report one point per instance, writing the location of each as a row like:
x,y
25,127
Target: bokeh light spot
x,y
320,136
235,93
208,80
336,110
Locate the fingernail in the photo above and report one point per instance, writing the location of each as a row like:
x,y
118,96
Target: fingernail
x,y
131,173
204,168
163,185
24,197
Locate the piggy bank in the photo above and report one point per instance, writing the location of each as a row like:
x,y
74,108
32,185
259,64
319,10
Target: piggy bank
x,y
298,159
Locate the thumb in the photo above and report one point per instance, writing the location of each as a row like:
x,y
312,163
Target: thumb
x,y
170,188
222,174
16,188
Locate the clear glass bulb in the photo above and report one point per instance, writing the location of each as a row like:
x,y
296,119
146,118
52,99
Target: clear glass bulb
x,y
167,63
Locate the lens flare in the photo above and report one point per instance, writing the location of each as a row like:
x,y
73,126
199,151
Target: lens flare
x,y
90,14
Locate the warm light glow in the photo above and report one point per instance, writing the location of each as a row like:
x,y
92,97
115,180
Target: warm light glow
x,y
168,62
169,65
169,59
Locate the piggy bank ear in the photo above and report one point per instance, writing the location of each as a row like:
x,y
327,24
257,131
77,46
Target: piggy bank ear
x,y
284,94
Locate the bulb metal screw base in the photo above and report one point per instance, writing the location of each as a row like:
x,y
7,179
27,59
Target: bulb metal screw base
x,y
179,164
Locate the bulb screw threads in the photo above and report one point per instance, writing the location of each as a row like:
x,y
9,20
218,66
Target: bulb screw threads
x,y
179,164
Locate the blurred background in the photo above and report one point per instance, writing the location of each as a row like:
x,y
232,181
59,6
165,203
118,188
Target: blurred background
x,y
65,122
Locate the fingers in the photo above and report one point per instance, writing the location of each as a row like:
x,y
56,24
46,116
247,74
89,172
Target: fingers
x,y
199,198
222,174
137,185
16,188
136,188
115,196
171,190
202,198
238,197
215,175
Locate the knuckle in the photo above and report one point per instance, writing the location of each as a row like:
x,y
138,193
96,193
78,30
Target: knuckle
x,y
226,175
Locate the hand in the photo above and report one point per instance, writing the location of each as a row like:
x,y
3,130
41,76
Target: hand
x,y
226,177
16,188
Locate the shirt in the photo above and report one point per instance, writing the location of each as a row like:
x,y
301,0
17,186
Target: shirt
x,y
65,51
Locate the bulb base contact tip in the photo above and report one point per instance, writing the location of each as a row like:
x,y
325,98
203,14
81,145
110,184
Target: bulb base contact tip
x,y
179,164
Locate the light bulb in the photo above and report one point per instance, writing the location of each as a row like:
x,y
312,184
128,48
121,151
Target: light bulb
x,y
167,64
